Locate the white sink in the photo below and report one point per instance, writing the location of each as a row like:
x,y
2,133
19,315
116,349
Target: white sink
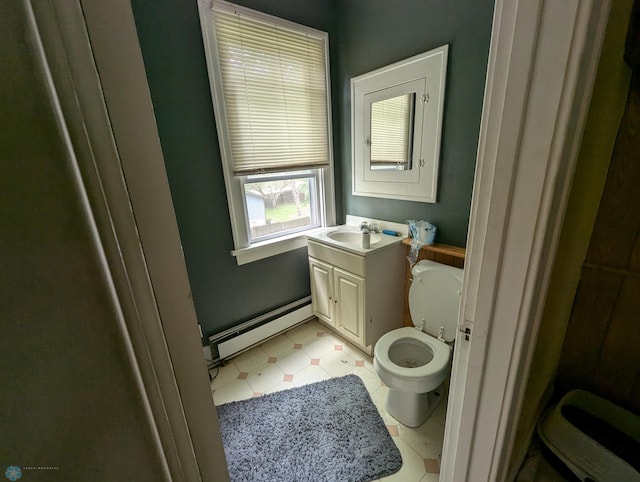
x,y
350,237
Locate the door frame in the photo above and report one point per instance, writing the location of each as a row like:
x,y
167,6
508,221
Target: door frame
x,y
539,79
541,70
98,85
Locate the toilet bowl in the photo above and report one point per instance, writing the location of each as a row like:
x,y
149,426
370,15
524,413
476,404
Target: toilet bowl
x,y
414,362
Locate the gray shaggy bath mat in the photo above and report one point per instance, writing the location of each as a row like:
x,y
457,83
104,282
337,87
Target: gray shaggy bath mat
x,y
325,431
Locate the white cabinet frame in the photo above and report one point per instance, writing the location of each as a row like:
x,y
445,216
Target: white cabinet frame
x,y
423,75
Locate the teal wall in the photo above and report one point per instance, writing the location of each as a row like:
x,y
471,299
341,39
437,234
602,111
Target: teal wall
x,y
375,33
363,35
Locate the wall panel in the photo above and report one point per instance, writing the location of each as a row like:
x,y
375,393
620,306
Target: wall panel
x,y
601,351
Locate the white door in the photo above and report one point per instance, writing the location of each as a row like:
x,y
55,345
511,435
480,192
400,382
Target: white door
x,y
542,65
349,304
321,289
113,140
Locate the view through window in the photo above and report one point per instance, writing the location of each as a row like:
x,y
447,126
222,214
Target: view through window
x,y
278,204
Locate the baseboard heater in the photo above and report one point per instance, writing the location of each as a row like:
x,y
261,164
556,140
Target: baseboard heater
x,y
239,338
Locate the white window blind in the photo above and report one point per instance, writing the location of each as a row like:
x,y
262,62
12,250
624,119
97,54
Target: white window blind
x,y
275,93
391,126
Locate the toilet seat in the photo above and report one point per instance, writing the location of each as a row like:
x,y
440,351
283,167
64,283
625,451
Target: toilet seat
x,y
441,354
434,299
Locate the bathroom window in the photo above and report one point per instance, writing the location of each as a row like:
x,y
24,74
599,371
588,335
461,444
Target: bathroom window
x,y
281,203
270,89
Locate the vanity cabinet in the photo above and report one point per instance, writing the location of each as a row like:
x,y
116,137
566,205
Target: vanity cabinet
x,y
360,297
337,299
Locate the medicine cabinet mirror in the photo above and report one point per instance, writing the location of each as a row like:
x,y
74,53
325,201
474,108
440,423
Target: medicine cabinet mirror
x,y
396,124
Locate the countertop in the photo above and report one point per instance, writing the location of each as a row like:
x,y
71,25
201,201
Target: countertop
x,y
381,240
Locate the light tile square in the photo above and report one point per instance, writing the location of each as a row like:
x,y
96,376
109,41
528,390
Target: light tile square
x,y
287,378
225,374
353,352
304,333
281,386
330,336
318,348
294,362
232,392
338,363
379,397
278,346
264,378
369,377
426,439
252,359
311,374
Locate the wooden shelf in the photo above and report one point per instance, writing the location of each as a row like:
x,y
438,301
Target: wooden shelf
x,y
446,249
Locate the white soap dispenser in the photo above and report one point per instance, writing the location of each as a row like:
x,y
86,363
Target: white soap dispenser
x,y
366,240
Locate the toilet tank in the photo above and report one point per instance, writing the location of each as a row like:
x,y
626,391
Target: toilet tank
x,y
434,298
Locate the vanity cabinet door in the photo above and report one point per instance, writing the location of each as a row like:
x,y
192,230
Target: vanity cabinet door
x,y
321,290
349,304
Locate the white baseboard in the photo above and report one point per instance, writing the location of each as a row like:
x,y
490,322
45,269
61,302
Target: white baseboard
x,y
236,344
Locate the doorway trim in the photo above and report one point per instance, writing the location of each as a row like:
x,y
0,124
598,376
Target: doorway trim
x,y
542,64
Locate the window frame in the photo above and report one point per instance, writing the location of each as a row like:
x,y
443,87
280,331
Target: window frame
x,y
245,251
311,174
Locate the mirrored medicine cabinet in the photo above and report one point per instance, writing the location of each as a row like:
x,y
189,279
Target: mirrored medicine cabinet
x,y
396,124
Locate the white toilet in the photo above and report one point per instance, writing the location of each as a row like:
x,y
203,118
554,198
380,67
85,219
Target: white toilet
x,y
413,362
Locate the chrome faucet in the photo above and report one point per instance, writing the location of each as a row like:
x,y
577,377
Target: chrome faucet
x,y
369,228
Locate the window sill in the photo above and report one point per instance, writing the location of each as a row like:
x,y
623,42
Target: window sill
x,y
272,247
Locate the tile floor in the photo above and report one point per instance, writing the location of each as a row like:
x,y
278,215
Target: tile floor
x,y
310,353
